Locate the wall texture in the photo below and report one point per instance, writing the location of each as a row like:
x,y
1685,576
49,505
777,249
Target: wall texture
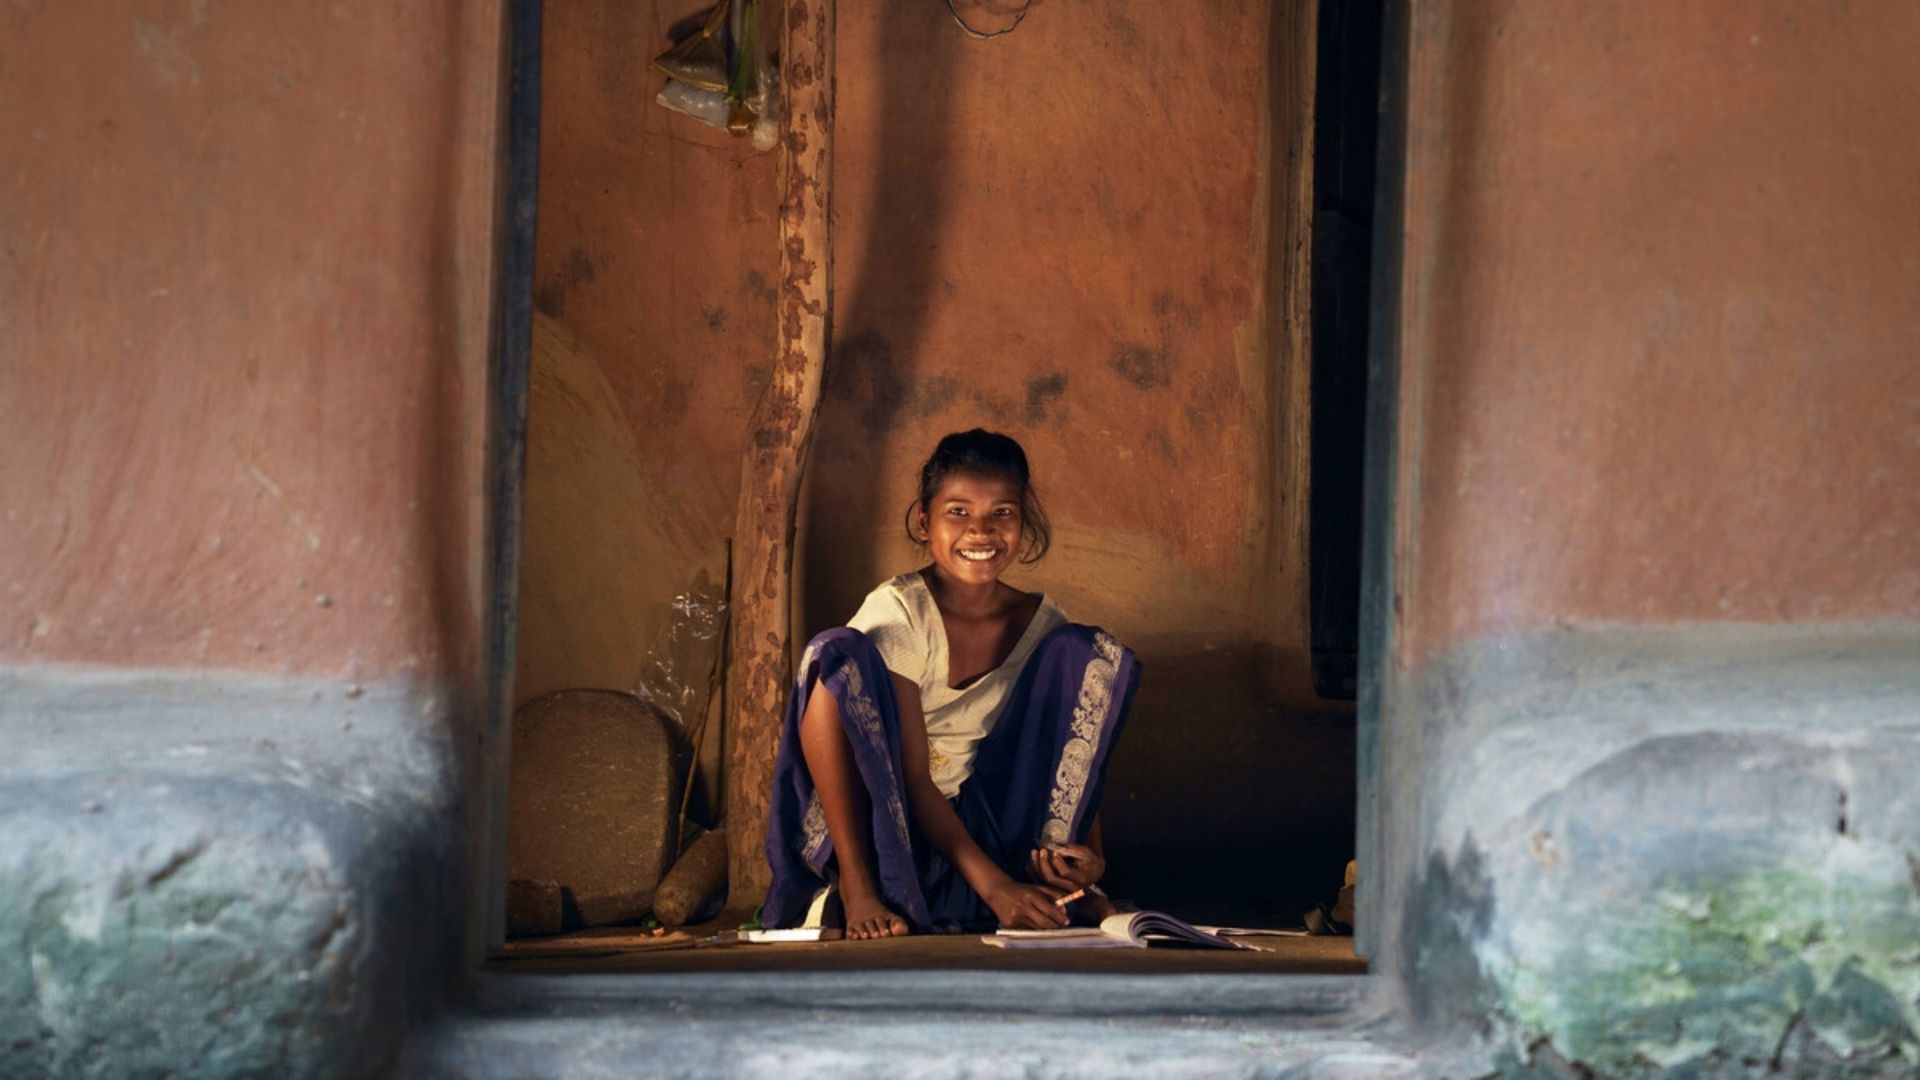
x,y
246,323
1657,608
1077,234
245,283
1695,396
655,277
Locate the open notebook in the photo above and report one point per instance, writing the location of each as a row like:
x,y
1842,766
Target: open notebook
x,y
1127,930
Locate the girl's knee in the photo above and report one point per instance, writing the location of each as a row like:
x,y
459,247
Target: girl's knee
x,y
833,649
1073,636
834,639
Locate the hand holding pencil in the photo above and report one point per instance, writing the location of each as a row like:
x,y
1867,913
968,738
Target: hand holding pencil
x,y
1019,906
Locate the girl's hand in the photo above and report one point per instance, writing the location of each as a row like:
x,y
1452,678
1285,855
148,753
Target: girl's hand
x,y
1067,866
1026,907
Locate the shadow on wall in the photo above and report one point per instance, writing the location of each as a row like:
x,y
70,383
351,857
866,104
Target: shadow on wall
x,y
1220,806
889,290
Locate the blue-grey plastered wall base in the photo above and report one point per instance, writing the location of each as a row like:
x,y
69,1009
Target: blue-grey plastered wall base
x,y
216,875
1690,847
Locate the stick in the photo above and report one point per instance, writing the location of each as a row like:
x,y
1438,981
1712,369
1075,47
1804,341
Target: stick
x,y
758,667
711,702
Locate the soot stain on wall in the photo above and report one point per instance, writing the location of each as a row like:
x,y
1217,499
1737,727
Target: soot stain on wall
x,y
1151,367
551,294
931,396
1045,394
755,284
1146,367
864,368
674,399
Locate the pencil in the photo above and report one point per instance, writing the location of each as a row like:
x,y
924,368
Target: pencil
x,y
1070,898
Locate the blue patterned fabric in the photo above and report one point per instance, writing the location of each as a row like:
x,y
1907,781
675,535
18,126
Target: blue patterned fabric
x,y
1038,777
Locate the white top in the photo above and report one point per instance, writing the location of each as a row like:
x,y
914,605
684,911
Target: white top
x,y
902,621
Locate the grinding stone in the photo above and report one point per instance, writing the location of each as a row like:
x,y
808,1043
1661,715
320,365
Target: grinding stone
x,y
594,794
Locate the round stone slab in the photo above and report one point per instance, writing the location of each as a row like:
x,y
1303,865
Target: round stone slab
x,y
594,793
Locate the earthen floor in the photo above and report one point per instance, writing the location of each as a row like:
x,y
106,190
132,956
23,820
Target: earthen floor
x,y
625,950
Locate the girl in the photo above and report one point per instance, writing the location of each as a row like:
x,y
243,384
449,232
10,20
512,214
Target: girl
x,y
943,754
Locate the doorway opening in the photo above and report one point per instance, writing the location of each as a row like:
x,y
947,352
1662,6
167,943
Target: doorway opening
x,y
1152,271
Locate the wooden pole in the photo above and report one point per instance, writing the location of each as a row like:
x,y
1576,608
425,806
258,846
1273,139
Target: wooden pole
x,y
759,669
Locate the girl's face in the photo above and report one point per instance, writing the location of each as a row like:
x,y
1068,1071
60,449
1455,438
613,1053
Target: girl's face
x,y
973,527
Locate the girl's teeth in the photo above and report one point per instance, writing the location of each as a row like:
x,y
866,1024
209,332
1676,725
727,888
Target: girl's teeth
x,y
977,556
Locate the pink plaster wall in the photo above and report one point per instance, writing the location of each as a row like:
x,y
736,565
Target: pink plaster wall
x,y
1663,347
245,262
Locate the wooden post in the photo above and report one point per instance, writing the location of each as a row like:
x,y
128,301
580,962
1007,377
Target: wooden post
x,y
759,669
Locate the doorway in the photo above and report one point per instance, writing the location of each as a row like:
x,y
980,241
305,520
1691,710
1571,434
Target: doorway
x,y
1152,271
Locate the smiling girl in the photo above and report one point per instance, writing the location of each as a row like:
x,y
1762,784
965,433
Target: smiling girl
x,y
943,754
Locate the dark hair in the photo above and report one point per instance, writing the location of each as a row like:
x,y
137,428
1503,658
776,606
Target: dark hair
x,y
986,453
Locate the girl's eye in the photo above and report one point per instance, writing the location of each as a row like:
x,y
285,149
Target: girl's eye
x,y
957,511
1003,512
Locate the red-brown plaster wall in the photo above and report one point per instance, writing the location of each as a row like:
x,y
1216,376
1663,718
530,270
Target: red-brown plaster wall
x,y
656,246
1062,233
1082,233
244,289
1663,349
655,276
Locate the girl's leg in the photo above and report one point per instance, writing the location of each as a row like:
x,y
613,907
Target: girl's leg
x,y
849,813
837,782
1040,774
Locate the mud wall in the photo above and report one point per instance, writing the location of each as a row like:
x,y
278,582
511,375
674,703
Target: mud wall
x,y
1696,398
1076,233
245,315
654,293
1656,607
246,260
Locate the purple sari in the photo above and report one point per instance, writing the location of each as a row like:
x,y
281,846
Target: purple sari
x,y
1037,778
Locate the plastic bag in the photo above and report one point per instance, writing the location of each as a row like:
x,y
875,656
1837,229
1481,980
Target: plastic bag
x,y
682,669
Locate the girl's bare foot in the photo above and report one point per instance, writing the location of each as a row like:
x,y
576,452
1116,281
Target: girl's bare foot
x,y
868,919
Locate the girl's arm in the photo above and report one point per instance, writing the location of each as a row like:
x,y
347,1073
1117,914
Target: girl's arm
x,y
1015,904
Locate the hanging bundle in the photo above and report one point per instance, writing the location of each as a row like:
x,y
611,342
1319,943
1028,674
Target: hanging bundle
x,y
719,74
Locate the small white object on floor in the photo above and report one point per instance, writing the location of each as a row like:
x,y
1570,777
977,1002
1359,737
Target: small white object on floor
x,y
812,927
794,933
